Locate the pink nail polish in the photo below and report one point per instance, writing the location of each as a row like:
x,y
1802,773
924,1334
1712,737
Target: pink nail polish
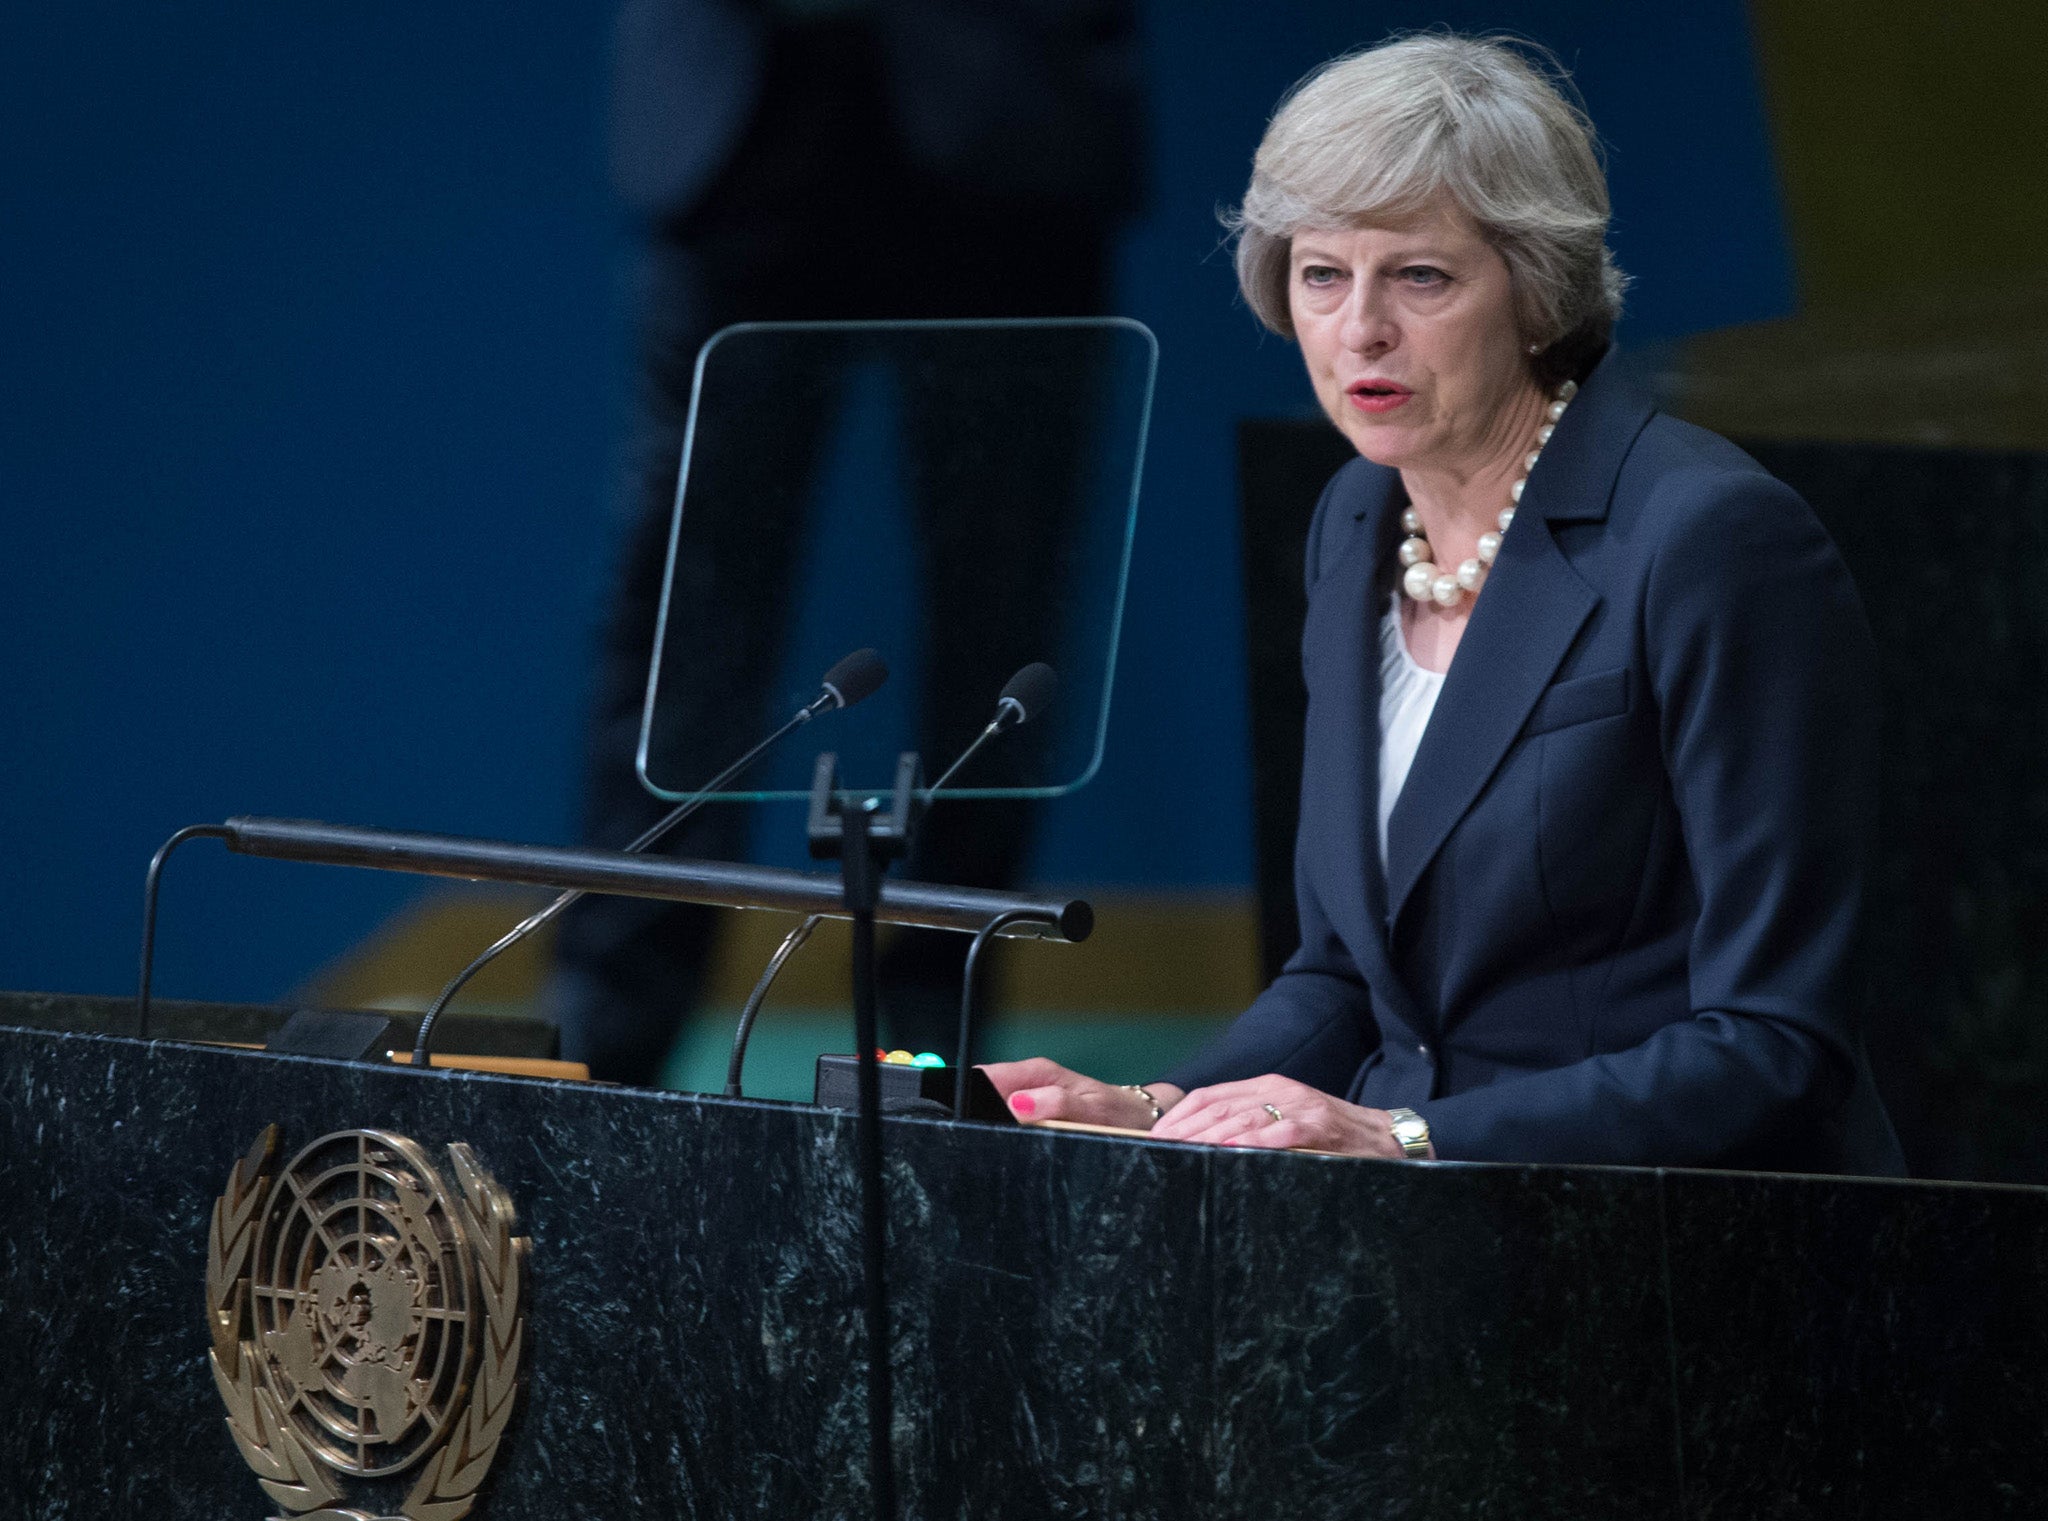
x,y
1023,1103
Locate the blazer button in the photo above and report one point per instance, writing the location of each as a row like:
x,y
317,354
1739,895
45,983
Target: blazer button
x,y
1423,1052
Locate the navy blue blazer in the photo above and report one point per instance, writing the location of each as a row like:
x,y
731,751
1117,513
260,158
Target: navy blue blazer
x,y
1619,917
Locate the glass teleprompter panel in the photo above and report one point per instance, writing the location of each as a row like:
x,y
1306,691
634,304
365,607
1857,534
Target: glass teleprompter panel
x,y
960,496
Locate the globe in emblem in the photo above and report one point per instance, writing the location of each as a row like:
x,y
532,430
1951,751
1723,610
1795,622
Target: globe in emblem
x,y
362,1295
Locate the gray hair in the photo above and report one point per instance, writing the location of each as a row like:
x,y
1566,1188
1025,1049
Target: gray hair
x,y
1380,133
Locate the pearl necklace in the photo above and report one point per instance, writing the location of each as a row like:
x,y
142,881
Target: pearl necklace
x,y
1422,579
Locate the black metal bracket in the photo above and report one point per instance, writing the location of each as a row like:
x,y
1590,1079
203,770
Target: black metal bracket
x,y
886,830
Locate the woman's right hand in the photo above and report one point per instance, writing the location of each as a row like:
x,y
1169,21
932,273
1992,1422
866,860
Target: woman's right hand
x,y
1038,1089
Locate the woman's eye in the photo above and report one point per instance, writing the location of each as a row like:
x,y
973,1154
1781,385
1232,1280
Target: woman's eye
x,y
1424,274
1318,274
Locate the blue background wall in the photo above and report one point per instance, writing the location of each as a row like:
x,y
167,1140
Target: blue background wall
x,y
310,414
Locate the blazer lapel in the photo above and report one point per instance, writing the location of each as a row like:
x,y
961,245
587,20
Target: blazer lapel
x,y
1343,743
1340,742
1522,626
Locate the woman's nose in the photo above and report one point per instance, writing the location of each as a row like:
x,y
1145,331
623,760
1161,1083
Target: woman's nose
x,y
1366,328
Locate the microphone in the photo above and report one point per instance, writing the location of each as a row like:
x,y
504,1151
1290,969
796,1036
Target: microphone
x,y
1028,692
1025,695
853,678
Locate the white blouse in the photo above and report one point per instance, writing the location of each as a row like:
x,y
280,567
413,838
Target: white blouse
x,y
1408,696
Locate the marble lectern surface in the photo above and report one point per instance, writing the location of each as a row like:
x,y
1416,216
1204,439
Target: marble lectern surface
x,y
1084,1326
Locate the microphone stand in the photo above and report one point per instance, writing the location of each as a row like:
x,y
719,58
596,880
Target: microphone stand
x,y
866,839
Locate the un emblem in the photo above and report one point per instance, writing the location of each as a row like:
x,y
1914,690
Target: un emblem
x,y
366,1322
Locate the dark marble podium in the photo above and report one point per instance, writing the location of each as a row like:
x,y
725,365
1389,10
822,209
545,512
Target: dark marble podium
x,y
1084,1326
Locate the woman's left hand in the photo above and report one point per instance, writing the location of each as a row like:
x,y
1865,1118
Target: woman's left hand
x,y
1242,1114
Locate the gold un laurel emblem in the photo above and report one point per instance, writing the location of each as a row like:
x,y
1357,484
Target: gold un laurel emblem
x,y
366,1323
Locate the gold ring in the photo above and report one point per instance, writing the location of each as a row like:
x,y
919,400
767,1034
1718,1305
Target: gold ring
x,y
1270,1109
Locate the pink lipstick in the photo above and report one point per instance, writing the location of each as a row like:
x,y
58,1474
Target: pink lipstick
x,y
1371,395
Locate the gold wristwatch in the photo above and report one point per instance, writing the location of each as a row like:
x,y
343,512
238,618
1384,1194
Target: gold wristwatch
x,y
1412,1131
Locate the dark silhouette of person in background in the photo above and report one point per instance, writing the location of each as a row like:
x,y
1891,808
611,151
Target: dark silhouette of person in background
x,y
817,160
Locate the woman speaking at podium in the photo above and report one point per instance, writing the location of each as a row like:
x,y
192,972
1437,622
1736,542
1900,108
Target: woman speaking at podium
x,y
1590,763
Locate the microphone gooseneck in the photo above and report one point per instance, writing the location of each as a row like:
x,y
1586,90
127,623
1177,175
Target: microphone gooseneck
x,y
853,678
789,947
1024,697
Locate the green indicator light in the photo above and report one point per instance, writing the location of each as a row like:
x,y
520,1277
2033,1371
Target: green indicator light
x,y
928,1059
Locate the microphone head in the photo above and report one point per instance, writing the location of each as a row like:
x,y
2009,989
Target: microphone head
x,y
1029,691
855,677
